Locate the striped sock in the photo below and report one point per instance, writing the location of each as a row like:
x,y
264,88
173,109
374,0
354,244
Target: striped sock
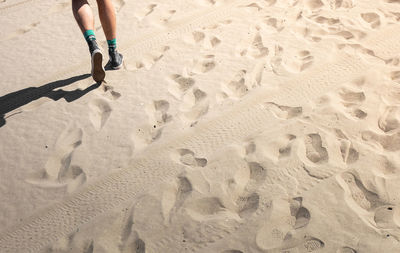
x,y
112,44
89,35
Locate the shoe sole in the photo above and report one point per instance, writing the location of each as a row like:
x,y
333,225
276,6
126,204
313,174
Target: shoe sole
x,y
98,72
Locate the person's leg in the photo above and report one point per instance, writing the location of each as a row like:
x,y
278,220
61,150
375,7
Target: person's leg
x,y
109,24
84,17
107,18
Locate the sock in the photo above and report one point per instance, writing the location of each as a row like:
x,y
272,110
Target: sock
x,y
89,35
112,44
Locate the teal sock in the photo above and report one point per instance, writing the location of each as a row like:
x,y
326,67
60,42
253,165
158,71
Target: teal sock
x,y
89,35
112,44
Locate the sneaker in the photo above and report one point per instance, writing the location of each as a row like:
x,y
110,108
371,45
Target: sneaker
x,y
98,72
116,59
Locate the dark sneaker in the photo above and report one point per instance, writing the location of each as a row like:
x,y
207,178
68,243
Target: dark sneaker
x,y
116,59
98,72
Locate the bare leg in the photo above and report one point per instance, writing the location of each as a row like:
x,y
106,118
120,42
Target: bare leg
x,y
84,17
83,14
107,18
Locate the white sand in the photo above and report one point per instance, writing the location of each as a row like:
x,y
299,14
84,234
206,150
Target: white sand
x,y
236,126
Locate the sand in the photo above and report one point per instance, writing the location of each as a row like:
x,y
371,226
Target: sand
x,y
235,126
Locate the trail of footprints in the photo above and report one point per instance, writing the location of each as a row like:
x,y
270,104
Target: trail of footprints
x,y
59,170
100,108
213,210
195,197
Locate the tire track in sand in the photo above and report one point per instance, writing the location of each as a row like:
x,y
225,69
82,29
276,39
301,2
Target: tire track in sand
x,y
246,118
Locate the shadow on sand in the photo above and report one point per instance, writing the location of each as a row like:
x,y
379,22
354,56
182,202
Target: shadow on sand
x,y
20,98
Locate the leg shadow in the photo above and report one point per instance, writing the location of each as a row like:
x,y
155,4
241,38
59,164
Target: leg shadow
x,y
20,98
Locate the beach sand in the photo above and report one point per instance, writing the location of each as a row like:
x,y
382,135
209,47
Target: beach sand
x,y
235,126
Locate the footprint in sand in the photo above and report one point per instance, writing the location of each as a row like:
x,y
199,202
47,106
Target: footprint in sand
x,y
108,92
389,119
179,85
174,196
257,172
130,241
272,22
206,40
248,204
276,62
313,244
203,65
326,21
58,170
274,150
349,34
214,41
237,87
299,62
315,152
145,134
255,48
231,251
187,157
357,194
194,105
194,37
350,97
100,111
140,14
283,112
352,100
301,213
285,226
389,142
148,60
372,19
158,113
